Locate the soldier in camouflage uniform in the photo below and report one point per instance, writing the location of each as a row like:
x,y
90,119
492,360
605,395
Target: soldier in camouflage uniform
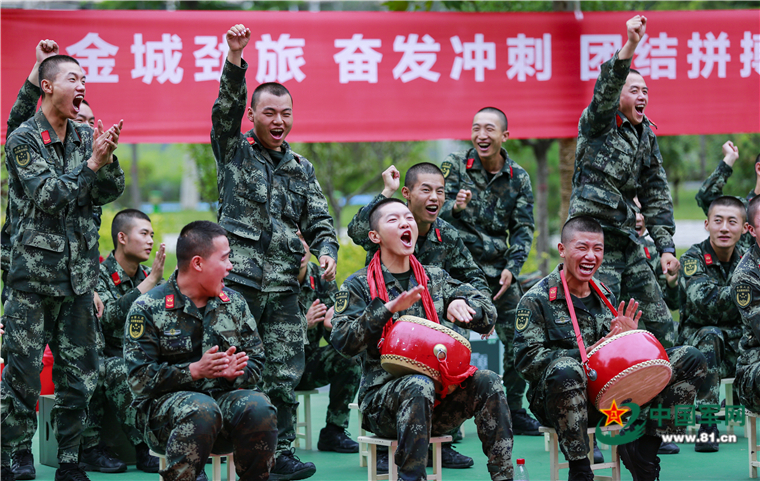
x,y
122,280
57,171
617,158
489,200
325,365
668,283
194,357
266,194
547,355
407,408
709,319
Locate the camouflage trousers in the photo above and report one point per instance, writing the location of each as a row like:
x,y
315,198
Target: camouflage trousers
x,y
68,326
625,259
747,386
326,366
560,399
721,359
112,391
282,330
404,409
188,426
505,329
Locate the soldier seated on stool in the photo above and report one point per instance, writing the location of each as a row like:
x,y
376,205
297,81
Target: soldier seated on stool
x,y
324,365
408,408
709,319
194,357
547,355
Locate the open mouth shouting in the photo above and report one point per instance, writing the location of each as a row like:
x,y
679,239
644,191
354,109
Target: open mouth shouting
x,y
406,238
586,268
277,134
639,107
78,102
432,209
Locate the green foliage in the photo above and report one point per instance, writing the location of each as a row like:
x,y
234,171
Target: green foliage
x,y
351,258
206,165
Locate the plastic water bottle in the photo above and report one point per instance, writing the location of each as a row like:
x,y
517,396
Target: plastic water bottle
x,y
521,473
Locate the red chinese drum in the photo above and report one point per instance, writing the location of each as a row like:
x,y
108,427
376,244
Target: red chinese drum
x,y
631,367
415,345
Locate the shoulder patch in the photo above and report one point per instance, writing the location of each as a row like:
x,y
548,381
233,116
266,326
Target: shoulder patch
x,y
136,326
743,295
341,302
689,267
21,155
522,319
446,168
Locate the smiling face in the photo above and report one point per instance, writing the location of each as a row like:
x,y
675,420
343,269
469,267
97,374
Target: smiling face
x,y
488,135
216,266
426,197
137,243
583,254
634,98
272,119
396,230
725,225
66,90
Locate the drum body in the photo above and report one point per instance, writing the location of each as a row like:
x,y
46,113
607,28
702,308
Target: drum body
x,y
414,346
631,367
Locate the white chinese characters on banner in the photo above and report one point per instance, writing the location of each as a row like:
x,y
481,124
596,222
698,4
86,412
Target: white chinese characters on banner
x,y
750,57
478,55
158,59
709,51
210,57
92,52
655,56
595,50
357,62
280,61
530,56
418,58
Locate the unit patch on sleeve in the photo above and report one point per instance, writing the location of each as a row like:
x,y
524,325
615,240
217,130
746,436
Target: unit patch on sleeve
x,y
690,267
136,326
446,169
522,319
743,295
341,302
22,156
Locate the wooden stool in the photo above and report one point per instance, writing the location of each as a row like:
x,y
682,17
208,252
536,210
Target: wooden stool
x,y
216,465
306,423
750,430
555,465
363,449
375,441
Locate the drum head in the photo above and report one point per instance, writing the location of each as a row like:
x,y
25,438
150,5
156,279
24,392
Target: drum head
x,y
401,366
639,385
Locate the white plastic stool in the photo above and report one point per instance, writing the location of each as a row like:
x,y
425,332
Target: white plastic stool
x,y
750,430
306,423
216,465
555,465
375,441
363,449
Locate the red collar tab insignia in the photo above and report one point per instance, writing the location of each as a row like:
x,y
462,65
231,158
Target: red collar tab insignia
x,y
250,140
438,235
470,162
655,125
116,278
708,259
45,137
312,283
646,251
605,287
145,273
223,296
553,294
169,301
511,174
619,120
298,159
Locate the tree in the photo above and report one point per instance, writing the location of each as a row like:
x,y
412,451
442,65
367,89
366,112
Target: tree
x,y
540,148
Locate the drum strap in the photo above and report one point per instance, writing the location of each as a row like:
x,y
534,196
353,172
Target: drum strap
x,y
590,373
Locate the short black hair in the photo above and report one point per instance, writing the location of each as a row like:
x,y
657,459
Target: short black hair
x,y
197,239
728,201
757,159
633,70
374,214
502,116
752,210
278,90
50,67
580,224
410,180
86,103
123,221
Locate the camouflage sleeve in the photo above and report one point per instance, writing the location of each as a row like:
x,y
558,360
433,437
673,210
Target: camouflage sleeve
x,y
656,203
521,227
452,187
358,228
317,223
600,113
712,187
360,322
485,312
109,183
702,293
746,296
116,308
251,344
147,374
327,293
50,192
25,106
461,266
228,110
669,294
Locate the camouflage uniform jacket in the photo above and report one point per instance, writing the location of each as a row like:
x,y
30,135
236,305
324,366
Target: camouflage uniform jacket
x,y
670,294
705,292
613,165
261,204
165,332
443,247
712,188
745,291
54,234
118,292
544,331
497,225
359,319
314,287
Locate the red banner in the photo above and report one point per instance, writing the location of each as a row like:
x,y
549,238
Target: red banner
x,y
380,76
